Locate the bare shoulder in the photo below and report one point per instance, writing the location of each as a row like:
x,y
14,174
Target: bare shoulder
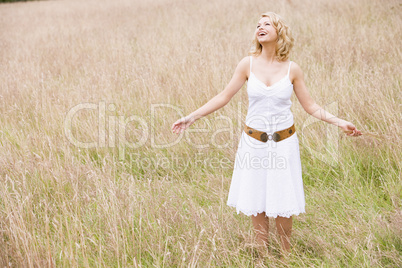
x,y
296,72
243,66
244,62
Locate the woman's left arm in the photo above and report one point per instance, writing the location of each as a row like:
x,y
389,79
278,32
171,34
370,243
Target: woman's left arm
x,y
311,107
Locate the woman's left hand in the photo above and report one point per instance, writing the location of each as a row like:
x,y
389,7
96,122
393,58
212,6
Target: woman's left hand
x,y
349,128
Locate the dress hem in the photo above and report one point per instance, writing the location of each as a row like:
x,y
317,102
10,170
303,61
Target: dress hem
x,y
286,214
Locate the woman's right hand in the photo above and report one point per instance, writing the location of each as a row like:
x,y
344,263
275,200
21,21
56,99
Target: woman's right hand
x,y
182,124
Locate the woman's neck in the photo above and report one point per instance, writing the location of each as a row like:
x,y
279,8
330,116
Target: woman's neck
x,y
268,52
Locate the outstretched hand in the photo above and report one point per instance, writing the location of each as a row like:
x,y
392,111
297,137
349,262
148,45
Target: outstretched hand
x,y
350,129
182,124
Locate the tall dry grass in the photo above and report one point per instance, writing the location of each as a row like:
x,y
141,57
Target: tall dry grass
x,y
61,205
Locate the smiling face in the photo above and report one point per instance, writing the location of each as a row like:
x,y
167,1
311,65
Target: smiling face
x,y
272,29
265,31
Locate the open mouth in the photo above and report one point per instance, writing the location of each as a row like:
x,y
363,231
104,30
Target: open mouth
x,y
262,34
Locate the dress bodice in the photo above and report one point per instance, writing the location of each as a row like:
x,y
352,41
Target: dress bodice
x,y
269,107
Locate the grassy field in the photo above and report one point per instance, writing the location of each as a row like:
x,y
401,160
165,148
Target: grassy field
x,y
91,174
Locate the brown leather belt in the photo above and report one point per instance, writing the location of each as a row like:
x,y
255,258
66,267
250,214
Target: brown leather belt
x,y
264,137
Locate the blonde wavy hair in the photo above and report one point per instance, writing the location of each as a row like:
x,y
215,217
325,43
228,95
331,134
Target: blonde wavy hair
x,y
285,41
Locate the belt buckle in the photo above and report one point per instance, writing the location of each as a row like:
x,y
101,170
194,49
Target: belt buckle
x,y
270,136
273,137
276,137
265,136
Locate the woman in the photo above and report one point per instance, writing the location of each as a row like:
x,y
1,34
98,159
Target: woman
x,y
273,189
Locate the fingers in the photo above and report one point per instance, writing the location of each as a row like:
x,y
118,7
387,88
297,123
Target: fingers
x,y
182,124
354,132
179,126
175,128
178,129
357,132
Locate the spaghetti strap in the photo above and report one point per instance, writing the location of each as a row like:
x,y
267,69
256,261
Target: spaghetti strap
x,y
289,67
251,60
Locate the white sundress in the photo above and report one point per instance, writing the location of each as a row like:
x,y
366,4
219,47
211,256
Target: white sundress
x,y
267,177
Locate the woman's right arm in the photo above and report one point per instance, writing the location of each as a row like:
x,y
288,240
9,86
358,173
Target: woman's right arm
x,y
239,78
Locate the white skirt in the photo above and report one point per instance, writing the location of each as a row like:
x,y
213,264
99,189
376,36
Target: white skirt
x,y
267,177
